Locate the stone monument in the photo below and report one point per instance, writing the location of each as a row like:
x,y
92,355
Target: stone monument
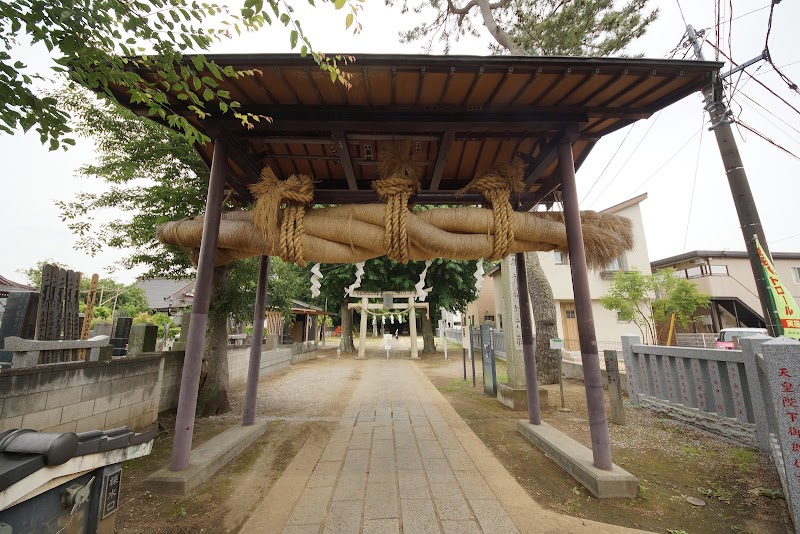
x,y
19,320
142,339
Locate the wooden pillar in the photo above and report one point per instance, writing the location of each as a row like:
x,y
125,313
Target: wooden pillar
x,y
362,334
593,382
254,367
528,347
190,377
412,327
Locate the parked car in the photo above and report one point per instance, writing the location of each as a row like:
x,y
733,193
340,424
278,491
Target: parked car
x,y
726,335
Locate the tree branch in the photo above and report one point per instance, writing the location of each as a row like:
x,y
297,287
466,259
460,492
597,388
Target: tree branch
x,y
499,34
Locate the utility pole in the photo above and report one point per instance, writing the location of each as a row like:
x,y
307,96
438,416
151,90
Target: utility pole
x,y
749,220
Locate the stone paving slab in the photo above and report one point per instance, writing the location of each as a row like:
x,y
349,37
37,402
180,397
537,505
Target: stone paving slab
x,y
402,460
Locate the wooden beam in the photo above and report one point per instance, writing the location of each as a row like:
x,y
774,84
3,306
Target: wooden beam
x,y
343,150
363,196
441,158
538,165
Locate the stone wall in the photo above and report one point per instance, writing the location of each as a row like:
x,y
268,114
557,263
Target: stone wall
x,y
81,396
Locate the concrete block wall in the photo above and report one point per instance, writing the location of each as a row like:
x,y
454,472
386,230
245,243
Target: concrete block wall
x,y
82,396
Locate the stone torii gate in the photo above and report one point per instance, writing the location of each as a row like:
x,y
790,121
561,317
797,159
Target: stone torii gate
x,y
365,306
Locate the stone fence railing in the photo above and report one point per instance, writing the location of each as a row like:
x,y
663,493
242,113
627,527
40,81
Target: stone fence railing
x,y
711,388
32,352
752,394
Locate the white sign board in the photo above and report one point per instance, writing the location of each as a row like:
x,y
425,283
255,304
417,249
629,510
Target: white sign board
x,y
387,341
556,344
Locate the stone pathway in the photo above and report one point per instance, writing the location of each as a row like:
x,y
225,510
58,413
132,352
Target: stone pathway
x,y
401,460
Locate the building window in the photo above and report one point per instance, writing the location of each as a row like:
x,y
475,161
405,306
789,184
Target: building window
x,y
570,314
488,318
615,265
561,258
499,321
796,275
620,319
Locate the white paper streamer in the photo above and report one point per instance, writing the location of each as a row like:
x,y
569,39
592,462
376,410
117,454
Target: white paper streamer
x,y
357,283
392,318
479,276
420,286
316,276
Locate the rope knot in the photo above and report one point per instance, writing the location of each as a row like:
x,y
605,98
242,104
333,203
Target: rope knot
x,y
293,194
496,185
399,180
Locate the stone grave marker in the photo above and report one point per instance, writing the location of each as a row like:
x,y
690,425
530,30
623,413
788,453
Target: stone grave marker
x,y
142,339
122,331
186,315
19,319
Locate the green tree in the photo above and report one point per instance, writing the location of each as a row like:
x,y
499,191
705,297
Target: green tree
x,y
154,175
94,44
533,27
650,300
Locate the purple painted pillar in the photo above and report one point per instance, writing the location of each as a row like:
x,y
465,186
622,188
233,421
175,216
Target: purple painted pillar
x,y
592,379
195,339
528,347
255,348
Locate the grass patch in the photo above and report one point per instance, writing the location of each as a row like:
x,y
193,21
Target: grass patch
x,y
744,459
457,384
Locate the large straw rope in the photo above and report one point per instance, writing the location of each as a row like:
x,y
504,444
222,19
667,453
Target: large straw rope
x,y
400,179
349,234
295,193
496,185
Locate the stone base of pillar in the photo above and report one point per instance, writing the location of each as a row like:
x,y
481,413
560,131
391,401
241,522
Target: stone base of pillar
x,y
517,398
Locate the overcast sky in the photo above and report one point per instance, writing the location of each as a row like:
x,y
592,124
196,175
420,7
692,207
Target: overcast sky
x,y
646,157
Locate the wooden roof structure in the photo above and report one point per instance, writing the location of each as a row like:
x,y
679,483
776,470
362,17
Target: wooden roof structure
x,y
463,113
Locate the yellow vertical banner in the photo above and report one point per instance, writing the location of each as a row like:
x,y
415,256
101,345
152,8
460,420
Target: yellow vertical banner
x,y
784,303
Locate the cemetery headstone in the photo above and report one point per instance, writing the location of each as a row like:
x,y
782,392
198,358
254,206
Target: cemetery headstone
x,y
19,319
119,341
186,315
142,339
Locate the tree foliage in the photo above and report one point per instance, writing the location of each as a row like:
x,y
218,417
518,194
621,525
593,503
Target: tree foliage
x,y
648,300
532,27
97,44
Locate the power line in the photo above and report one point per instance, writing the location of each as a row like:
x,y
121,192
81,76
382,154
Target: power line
x,y
759,82
607,164
767,139
786,80
599,195
781,67
694,184
667,161
771,113
773,241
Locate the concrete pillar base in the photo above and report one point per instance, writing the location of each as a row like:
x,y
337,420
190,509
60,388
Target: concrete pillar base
x,y
517,398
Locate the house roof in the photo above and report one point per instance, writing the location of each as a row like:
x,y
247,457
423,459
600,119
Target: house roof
x,y
626,204
7,286
701,254
463,114
167,293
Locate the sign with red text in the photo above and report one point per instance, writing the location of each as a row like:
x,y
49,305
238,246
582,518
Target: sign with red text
x,y
782,300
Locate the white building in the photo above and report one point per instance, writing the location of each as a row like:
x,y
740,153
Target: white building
x,y
608,327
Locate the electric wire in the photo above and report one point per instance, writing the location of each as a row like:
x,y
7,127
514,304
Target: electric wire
x,y
600,194
694,184
784,239
786,80
680,8
759,82
781,67
667,161
767,139
607,164
771,113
